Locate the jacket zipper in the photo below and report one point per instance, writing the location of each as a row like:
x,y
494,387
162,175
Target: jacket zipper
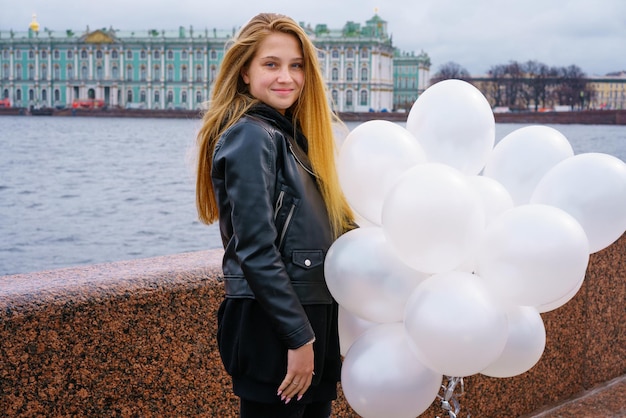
x,y
300,162
279,203
287,222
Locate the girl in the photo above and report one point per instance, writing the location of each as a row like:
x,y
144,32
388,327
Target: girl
x,y
266,172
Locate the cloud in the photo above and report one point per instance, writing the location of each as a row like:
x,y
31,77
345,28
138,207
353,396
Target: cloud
x,y
475,34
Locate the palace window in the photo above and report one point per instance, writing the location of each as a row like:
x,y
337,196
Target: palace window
x,y
18,54
213,73
335,96
363,74
184,74
129,72
70,72
183,54
142,54
142,96
99,72
170,55
115,72
5,71
350,53
44,54
57,95
99,54
213,54
157,96
364,53
364,97
349,74
183,97
157,73
129,96
44,72
5,94
335,74
198,96
84,72
31,95
334,54
170,72
56,54
129,54
321,54
18,71
69,54
349,98
31,54
199,73
170,96
44,95
31,72
198,54
114,54
156,54
83,54
18,94
142,72
56,72
5,54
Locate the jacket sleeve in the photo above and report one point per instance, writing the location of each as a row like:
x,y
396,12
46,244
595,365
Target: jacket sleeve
x,y
246,158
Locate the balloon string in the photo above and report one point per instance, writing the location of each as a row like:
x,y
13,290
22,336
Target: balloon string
x,y
449,401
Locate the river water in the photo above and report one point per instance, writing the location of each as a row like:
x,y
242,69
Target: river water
x,y
83,190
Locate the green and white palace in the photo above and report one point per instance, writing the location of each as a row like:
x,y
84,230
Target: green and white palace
x,y
159,69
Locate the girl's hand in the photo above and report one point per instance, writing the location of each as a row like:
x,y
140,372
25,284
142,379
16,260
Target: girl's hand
x,y
299,373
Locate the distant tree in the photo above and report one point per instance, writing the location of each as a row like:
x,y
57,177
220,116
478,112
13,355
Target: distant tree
x,y
448,71
540,76
573,90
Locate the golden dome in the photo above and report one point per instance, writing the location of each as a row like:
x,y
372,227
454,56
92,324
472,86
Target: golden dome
x,y
34,26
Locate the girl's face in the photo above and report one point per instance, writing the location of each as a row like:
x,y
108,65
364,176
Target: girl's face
x,y
276,73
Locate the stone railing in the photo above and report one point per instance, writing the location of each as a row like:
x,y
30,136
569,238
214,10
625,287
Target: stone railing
x,y
137,339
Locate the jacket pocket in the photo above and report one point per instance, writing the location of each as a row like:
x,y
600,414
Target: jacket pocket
x,y
307,259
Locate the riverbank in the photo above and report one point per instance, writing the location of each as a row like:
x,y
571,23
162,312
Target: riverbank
x,y
587,117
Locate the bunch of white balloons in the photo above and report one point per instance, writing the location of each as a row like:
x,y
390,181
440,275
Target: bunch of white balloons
x,y
463,243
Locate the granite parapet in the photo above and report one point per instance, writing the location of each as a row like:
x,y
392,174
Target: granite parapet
x,y
137,339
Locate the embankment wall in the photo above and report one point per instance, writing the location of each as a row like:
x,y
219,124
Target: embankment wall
x,y
137,339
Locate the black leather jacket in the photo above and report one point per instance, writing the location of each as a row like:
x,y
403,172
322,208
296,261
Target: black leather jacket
x,y
273,222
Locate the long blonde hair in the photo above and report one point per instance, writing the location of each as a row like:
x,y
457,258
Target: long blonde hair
x,y
231,99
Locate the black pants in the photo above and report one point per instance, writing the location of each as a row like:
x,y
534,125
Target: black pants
x,y
251,409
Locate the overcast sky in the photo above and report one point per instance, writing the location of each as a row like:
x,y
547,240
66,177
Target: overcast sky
x,y
475,34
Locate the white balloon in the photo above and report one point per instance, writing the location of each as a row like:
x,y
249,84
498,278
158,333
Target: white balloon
x,y
532,254
454,123
522,157
592,188
351,327
433,218
382,378
367,278
493,195
525,343
455,325
371,158
550,306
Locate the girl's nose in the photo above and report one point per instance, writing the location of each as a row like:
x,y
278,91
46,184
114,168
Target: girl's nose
x,y
284,74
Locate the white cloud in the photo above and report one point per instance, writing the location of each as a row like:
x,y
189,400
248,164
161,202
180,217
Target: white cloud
x,y
475,34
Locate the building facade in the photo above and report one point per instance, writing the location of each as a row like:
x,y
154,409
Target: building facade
x,y
609,92
411,78
175,70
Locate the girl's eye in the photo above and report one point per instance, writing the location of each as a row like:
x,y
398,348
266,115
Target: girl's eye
x,y
270,64
298,65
